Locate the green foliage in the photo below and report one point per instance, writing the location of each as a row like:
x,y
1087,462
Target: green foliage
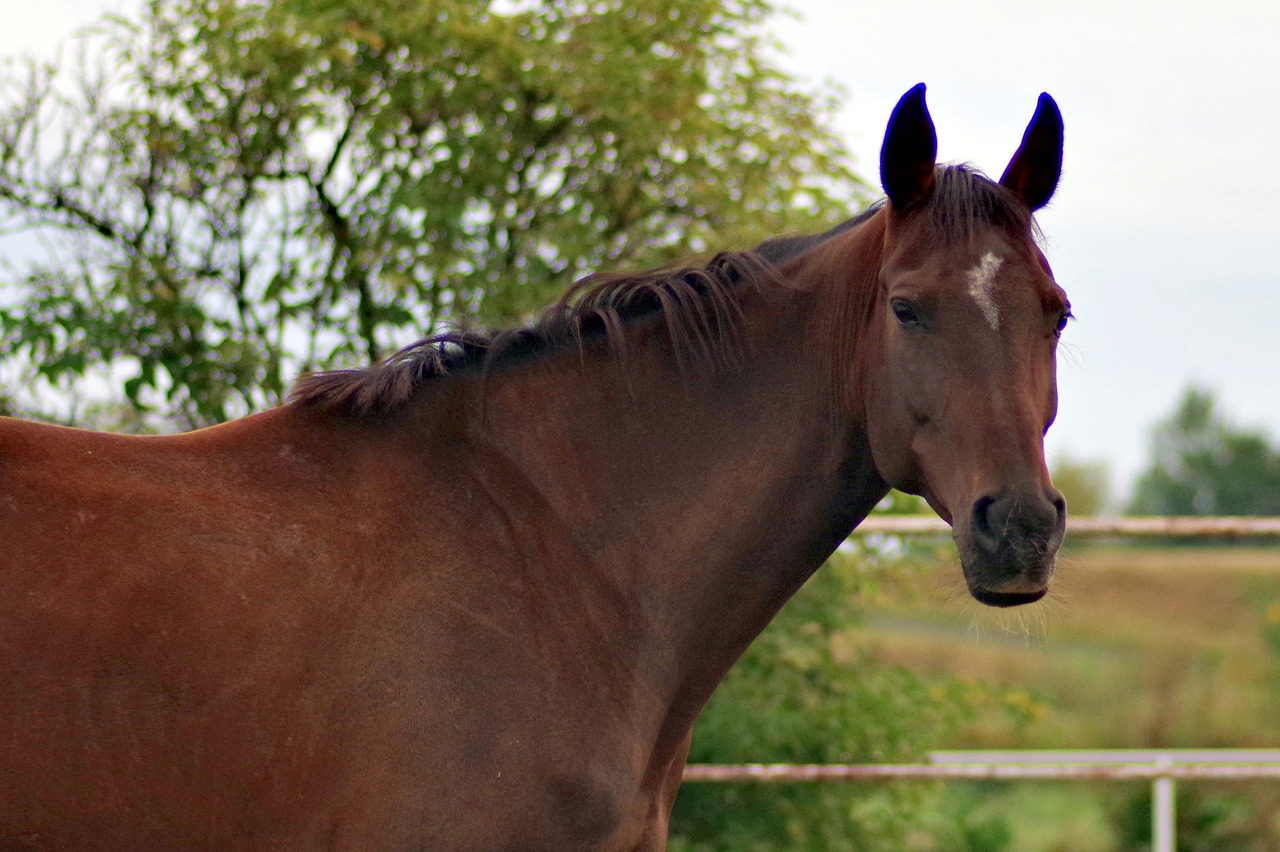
x,y
1207,820
1204,466
1085,485
968,822
804,693
231,191
901,503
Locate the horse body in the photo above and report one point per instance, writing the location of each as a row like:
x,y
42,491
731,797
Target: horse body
x,y
170,628
486,616
351,639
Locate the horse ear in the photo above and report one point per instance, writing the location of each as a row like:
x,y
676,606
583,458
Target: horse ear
x,y
1034,170
909,152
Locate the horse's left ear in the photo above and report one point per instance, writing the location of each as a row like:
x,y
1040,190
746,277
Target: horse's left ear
x,y
1034,170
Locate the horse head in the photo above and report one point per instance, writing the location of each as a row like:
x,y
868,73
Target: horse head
x,y
967,322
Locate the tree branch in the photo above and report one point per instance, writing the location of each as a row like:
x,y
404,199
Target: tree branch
x,y
58,202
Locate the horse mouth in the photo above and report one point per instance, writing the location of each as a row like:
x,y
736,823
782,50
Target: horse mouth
x,y
1006,599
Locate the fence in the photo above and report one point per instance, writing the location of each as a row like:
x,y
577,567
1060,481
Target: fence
x,y
1097,527
1163,767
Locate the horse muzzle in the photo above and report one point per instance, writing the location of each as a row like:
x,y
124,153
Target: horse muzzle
x,y
1008,544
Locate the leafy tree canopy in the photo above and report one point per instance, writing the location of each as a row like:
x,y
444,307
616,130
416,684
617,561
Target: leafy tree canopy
x,y
1085,485
1202,465
227,192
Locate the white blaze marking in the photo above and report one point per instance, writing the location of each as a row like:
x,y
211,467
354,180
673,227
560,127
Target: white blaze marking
x,y
982,279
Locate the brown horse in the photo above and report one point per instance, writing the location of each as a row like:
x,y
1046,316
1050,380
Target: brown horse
x,y
475,596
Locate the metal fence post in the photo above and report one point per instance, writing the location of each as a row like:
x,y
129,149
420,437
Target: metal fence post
x,y
1163,809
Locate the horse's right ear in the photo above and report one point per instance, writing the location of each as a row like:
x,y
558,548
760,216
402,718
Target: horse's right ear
x,y
909,153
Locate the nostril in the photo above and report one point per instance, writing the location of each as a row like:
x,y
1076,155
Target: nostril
x,y
982,519
1060,504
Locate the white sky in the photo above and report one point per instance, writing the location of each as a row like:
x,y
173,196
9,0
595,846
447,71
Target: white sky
x,y
1166,227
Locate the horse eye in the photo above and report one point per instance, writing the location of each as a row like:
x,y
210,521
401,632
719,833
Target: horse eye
x,y
905,314
1062,321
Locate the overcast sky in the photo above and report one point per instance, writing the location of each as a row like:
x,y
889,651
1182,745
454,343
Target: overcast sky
x,y
1166,227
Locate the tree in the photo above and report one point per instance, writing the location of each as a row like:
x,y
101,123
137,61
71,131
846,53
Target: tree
x,y
1085,485
228,192
1203,466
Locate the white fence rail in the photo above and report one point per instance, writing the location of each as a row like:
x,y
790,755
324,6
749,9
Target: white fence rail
x,y
1261,528
1163,767
1083,765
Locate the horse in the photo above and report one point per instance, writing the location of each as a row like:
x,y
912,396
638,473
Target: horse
x,y
473,597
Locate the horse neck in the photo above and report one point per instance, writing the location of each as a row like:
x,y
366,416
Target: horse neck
x,y
699,503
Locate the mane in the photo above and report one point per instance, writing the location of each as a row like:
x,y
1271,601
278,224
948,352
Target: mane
x,y
698,304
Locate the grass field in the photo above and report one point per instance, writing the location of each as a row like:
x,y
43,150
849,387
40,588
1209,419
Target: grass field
x,y
1136,648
